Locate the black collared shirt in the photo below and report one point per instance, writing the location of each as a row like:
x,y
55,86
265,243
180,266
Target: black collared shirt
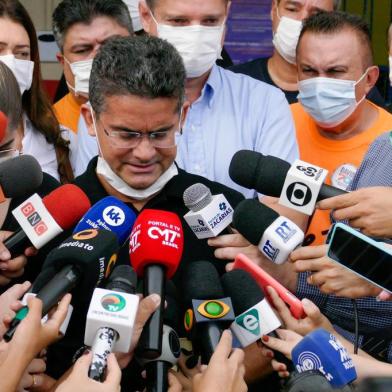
x,y
169,199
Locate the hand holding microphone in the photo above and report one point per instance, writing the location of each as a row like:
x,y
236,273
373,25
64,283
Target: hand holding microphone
x,y
367,209
31,337
156,246
225,371
299,186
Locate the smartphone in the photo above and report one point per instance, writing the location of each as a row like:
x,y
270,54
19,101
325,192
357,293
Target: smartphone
x,y
361,254
264,279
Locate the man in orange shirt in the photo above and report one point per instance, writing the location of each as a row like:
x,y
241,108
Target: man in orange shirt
x,y
334,121
80,27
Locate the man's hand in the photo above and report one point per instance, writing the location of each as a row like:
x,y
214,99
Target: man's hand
x,y
314,318
147,307
330,277
368,209
78,379
229,245
225,372
9,304
11,268
31,337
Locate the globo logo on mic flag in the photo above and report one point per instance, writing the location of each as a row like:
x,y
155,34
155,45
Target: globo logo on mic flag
x,y
157,236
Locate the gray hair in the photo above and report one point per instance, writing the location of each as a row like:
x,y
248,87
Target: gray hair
x,y
143,66
10,97
69,12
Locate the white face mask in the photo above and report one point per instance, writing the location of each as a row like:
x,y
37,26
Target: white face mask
x,y
390,70
199,46
133,6
120,185
329,101
286,37
81,71
22,70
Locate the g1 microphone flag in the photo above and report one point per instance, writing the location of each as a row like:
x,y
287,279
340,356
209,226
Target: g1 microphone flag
x,y
80,264
254,315
156,245
110,318
298,186
209,312
320,350
41,220
110,214
276,236
209,215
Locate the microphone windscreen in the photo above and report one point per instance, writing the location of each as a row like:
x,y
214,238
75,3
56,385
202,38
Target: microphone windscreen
x,y
11,171
123,278
201,281
3,125
67,204
92,252
157,238
197,196
265,174
171,315
111,214
242,289
251,218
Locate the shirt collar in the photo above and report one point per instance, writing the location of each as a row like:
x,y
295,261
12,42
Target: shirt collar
x,y
212,85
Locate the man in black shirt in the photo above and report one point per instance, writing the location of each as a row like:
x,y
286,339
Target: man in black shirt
x,y
280,70
137,95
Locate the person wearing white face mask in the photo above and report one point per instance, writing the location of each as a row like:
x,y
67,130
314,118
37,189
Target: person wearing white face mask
x,y
228,112
334,120
280,69
137,108
39,133
80,27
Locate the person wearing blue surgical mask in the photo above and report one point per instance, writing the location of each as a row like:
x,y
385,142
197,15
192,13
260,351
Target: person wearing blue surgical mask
x,y
335,121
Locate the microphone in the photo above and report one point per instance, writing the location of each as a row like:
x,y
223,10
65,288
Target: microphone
x,y
209,215
110,214
298,186
156,245
254,315
209,312
157,369
110,318
276,236
41,220
10,170
81,262
320,350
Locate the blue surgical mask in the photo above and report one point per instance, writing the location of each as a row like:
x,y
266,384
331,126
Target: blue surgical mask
x,y
329,101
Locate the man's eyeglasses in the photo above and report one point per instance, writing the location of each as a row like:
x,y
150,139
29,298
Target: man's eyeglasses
x,y
130,139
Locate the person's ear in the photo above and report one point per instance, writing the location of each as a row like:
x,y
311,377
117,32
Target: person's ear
x,y
371,78
88,118
145,16
60,58
185,111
